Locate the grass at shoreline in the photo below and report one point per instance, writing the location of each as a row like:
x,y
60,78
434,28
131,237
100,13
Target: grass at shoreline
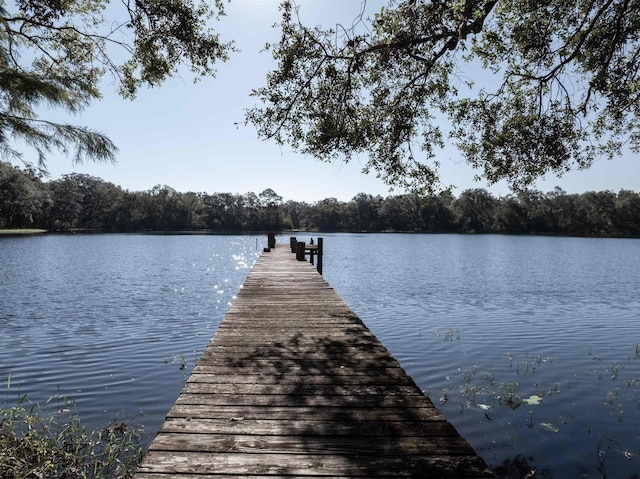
x,y
36,444
21,232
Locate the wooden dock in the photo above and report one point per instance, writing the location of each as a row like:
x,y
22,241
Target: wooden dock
x,y
293,384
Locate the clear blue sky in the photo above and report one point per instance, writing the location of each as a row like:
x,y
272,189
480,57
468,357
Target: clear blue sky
x,y
183,134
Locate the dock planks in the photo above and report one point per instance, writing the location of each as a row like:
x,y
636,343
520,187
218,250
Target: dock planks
x,y
294,385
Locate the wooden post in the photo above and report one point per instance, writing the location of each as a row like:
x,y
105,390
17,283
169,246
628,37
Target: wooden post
x,y
271,242
300,251
320,242
293,243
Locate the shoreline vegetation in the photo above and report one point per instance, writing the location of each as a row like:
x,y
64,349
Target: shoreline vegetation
x,y
39,232
50,440
78,203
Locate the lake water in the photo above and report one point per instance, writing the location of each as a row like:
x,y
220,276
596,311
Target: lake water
x,y
529,345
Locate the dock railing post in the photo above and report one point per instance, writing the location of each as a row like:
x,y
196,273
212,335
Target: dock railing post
x,y
320,243
300,251
300,248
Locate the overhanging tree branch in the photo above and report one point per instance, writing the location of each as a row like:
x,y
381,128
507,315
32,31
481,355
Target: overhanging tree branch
x,y
565,88
68,50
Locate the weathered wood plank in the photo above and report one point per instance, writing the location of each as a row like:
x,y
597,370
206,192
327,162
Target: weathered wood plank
x,y
243,464
386,376
302,389
343,356
252,444
310,368
307,340
300,427
291,365
329,413
297,400
293,384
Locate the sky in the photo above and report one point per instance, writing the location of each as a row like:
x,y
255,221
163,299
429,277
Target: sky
x,y
186,136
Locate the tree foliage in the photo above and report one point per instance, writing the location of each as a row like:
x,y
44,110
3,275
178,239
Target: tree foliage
x,y
55,53
523,88
78,202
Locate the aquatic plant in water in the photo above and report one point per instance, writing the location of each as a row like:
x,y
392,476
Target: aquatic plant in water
x,y
518,386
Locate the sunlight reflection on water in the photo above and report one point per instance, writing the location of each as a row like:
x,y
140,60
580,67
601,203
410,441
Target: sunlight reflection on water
x,y
103,318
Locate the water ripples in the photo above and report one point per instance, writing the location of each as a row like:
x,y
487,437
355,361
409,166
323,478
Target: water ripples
x,y
117,321
113,321
476,318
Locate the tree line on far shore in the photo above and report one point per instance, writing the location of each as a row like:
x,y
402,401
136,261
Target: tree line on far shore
x,y
78,202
